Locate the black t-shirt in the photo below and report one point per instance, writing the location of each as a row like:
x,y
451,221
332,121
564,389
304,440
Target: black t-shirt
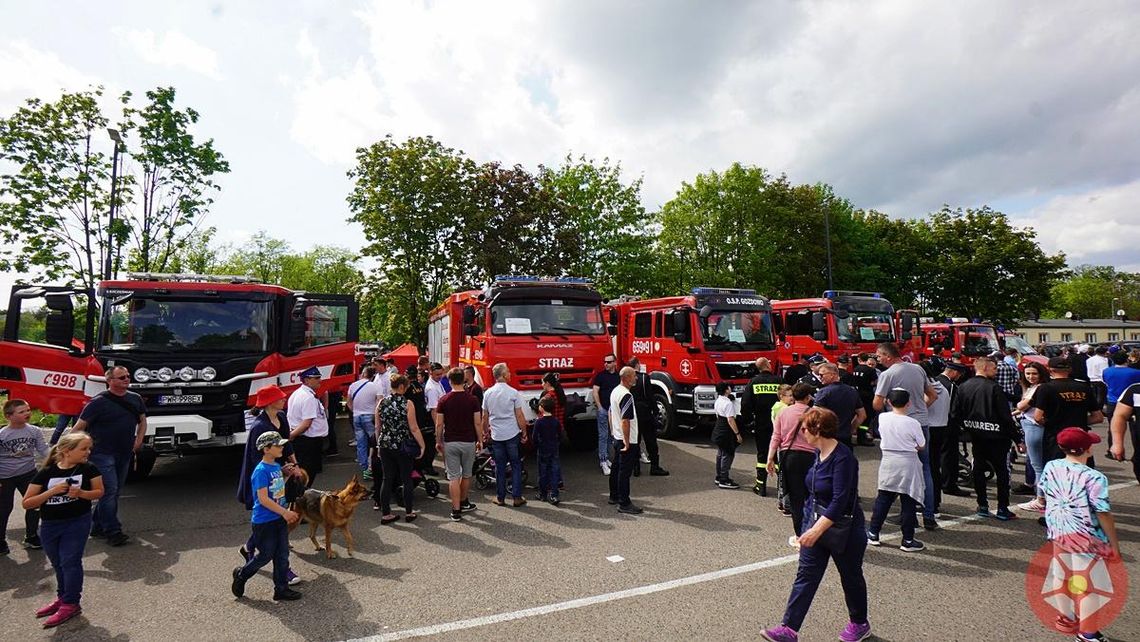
x,y
606,381
1066,403
111,426
795,372
62,507
863,379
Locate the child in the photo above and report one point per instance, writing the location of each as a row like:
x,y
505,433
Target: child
x,y
784,399
726,436
900,471
1077,516
547,438
270,520
21,444
63,490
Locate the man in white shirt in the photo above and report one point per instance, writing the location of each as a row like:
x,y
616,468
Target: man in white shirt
x,y
623,429
363,396
433,392
503,426
1096,365
309,423
382,379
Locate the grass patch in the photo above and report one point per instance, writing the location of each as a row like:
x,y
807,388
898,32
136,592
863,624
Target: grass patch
x,y
41,419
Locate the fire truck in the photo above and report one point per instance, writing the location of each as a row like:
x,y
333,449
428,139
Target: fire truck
x,y
689,343
956,334
198,348
535,325
841,322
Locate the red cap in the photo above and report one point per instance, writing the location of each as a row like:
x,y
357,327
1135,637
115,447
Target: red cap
x,y
268,395
1077,439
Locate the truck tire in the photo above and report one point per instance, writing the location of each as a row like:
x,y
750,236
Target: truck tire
x,y
582,435
666,419
143,465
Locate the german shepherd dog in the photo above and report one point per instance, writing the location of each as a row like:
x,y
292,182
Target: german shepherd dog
x,y
332,510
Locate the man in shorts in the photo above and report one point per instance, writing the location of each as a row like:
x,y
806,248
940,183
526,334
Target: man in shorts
x,y
456,416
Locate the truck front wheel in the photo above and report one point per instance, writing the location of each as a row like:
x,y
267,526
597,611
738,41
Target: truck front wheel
x,y
666,418
143,464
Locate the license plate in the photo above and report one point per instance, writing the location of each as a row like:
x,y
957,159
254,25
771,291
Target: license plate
x,y
173,400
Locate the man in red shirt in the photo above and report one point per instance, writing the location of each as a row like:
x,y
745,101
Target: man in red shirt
x,y
456,416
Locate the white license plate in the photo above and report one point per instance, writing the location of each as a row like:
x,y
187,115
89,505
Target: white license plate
x,y
173,400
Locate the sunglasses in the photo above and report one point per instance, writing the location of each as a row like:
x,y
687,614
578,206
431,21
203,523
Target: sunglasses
x,y
610,361
123,378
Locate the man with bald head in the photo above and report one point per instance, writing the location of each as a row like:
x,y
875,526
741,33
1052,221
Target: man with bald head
x,y
756,409
624,431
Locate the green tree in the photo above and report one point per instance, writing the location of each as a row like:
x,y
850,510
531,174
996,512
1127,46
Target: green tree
x,y
325,269
985,268
1095,292
176,184
262,257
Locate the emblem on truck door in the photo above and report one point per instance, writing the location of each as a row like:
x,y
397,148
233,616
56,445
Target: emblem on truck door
x,y
686,367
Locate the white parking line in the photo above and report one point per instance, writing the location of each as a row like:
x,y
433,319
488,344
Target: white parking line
x,y
648,589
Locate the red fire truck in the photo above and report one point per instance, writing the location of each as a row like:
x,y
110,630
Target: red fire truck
x,y
841,322
689,343
534,325
198,347
956,334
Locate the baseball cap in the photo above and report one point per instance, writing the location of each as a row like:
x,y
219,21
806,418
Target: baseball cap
x,y
270,438
957,367
1077,439
311,372
1058,363
816,358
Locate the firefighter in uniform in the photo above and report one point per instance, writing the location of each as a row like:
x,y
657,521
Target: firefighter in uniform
x,y
812,378
642,392
756,407
865,376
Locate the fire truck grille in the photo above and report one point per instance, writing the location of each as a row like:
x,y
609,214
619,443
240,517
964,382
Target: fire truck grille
x,y
569,378
736,371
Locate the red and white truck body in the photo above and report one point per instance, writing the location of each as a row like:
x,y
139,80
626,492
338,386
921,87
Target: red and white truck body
x,y
837,324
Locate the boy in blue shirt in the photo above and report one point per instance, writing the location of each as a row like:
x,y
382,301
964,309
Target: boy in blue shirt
x,y
547,438
270,520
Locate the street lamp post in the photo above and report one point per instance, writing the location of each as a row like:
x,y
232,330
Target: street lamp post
x,y
114,134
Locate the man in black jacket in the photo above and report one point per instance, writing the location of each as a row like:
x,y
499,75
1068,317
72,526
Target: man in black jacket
x,y
756,409
950,456
980,407
646,420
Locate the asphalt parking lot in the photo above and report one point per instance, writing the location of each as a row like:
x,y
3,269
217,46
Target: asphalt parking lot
x,y
700,563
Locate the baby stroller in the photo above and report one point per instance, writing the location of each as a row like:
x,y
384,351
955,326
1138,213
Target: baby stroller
x,y
484,471
431,486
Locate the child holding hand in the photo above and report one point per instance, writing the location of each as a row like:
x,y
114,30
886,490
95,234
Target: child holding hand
x,y
21,444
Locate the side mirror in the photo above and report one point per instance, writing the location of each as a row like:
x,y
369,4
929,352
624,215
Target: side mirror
x,y
613,317
298,326
612,330
682,328
59,325
468,314
817,324
907,323
705,312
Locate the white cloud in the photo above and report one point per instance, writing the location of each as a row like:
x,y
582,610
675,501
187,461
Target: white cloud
x,y
171,49
32,73
1098,226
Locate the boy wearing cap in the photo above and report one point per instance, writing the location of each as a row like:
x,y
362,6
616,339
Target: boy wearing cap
x,y
270,521
1077,516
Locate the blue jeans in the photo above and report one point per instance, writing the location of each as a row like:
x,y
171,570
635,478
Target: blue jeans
x,y
504,452
114,468
928,477
363,426
813,564
272,546
1034,451
64,541
61,424
605,440
549,473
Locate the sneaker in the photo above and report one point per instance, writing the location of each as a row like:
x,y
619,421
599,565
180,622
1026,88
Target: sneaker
x,y
1095,636
913,546
855,632
33,542
292,578
366,474
727,483
1004,514
605,468
611,501
630,509
287,594
49,609
456,516
466,506
97,533
873,539
983,511
246,556
554,500
1034,505
931,525
644,458
540,496
780,634
118,539
65,613
784,509
519,501
237,587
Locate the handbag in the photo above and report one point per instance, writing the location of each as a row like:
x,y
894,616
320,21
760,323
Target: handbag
x,y
782,456
836,536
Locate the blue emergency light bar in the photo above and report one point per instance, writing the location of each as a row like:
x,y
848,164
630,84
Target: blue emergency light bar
x,y
835,294
708,291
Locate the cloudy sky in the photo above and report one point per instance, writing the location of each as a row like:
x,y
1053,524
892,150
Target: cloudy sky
x,y
1032,108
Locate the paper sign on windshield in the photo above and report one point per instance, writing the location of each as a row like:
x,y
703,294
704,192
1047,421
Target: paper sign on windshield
x,y
518,326
736,335
867,334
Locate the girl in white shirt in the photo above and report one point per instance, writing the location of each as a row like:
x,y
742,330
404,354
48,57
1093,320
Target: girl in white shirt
x,y
726,436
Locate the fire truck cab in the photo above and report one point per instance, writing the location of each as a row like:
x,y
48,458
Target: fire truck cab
x,y
958,334
198,348
839,323
689,343
535,325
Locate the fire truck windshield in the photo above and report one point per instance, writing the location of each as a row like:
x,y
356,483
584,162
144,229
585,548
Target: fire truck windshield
x,y
978,340
740,328
546,316
135,322
865,326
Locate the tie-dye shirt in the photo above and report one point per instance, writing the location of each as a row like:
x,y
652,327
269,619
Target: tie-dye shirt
x,y
1074,494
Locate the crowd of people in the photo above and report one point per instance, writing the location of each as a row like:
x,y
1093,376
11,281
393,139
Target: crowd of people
x,y
806,423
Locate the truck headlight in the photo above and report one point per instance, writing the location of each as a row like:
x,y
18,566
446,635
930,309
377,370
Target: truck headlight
x,y
165,374
186,373
142,375
208,373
